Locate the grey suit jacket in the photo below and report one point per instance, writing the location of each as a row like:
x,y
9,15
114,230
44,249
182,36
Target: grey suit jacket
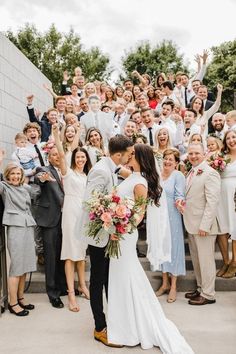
x,y
101,177
16,205
202,197
104,123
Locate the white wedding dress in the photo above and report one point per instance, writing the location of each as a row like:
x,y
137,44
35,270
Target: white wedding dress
x,y
134,314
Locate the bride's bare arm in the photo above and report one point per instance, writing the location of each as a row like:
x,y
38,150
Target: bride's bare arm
x,y
140,191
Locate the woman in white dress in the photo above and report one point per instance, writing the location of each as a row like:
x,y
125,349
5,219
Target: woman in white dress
x,y
226,211
134,313
73,249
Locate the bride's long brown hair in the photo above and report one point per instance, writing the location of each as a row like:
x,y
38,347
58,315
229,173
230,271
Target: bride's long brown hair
x,y
145,158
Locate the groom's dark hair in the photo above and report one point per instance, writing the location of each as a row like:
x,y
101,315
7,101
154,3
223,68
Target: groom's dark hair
x,y
119,143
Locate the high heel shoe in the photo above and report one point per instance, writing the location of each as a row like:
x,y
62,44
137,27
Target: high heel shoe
x,y
231,271
73,306
84,291
25,307
222,270
20,314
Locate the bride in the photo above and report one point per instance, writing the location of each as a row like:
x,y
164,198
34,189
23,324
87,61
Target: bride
x,y
134,315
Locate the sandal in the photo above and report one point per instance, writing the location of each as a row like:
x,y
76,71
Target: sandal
x,y
231,271
161,291
25,307
222,270
84,291
73,306
20,313
172,296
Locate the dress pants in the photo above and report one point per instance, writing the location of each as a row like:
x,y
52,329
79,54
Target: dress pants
x,y
98,278
54,267
202,250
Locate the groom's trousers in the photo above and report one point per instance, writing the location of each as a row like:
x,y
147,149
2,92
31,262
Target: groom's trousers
x,y
98,279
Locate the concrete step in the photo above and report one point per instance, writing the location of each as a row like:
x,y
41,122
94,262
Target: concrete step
x,y
185,283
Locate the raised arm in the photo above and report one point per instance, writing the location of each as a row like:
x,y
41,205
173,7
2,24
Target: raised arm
x,y
50,90
75,142
63,165
135,73
214,108
30,109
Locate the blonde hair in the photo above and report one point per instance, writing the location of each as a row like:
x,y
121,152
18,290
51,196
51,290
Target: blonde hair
x,y
218,141
169,142
231,115
20,136
9,168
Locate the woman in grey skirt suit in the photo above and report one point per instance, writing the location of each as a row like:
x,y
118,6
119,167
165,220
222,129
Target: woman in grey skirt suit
x,y
20,235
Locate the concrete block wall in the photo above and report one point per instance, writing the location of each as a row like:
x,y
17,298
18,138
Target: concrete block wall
x,y
18,78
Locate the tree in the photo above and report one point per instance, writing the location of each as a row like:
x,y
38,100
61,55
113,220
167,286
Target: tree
x,y
222,69
163,57
53,52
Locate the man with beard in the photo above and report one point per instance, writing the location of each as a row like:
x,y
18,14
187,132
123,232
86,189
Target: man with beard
x,y
218,123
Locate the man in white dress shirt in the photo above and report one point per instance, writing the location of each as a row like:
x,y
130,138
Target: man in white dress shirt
x,y
166,119
98,119
150,128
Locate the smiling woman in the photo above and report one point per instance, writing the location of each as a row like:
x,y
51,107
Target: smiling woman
x,y
20,235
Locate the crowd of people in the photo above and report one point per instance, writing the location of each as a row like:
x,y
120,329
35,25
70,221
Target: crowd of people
x,y
194,146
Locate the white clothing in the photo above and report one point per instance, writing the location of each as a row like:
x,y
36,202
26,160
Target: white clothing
x,y
25,157
134,313
226,214
74,186
155,129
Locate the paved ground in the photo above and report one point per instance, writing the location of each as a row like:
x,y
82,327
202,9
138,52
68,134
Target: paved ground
x,y
208,329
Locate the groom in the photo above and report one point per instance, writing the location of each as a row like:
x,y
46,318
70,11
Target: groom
x,y
103,177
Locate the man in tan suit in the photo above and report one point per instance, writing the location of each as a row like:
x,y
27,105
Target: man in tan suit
x,y
202,196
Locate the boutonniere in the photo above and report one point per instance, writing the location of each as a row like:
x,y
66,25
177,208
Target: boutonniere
x,y
199,172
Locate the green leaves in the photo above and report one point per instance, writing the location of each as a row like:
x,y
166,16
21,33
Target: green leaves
x,y
164,57
54,52
222,69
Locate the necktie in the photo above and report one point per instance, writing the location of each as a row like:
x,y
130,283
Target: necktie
x,y
190,177
185,97
39,155
150,136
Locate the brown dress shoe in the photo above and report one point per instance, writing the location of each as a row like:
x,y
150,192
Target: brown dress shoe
x,y
200,300
192,295
101,336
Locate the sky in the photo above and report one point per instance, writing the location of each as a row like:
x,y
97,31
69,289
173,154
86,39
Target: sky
x,y
117,26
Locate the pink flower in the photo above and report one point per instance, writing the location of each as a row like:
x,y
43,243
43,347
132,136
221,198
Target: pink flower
x,y
106,218
121,211
92,216
216,163
128,213
120,229
115,199
199,172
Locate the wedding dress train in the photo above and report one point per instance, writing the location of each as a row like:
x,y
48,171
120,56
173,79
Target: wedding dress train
x,y
134,314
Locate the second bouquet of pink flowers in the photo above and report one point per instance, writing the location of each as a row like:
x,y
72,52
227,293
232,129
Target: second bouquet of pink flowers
x,y
112,215
218,162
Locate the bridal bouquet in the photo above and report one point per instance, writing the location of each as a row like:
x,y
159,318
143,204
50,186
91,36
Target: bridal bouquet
x,y
112,215
218,162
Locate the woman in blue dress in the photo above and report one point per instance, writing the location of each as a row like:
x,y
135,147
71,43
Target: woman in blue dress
x,y
173,183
